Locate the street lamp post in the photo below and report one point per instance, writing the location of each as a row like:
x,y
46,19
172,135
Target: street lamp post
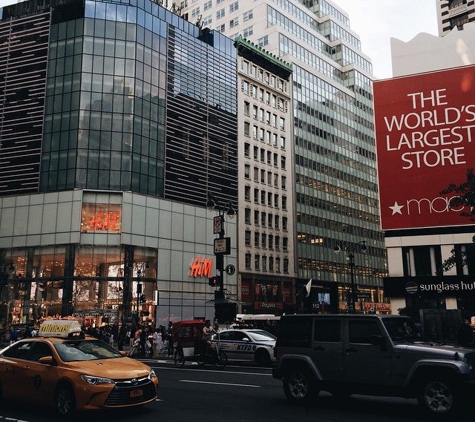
x,y
351,257
222,244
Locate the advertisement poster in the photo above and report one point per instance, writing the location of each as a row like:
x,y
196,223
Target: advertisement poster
x,y
425,140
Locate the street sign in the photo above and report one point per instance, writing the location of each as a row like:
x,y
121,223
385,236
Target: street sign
x,y
222,246
230,269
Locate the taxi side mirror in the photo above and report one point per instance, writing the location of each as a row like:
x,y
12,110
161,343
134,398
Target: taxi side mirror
x,y
46,360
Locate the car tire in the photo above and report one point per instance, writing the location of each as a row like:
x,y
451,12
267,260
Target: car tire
x,y
179,358
299,385
262,357
438,398
64,400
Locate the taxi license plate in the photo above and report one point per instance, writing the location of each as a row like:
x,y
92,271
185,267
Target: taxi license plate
x,y
136,393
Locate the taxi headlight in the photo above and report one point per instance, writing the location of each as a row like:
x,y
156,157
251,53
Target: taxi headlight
x,y
152,374
96,380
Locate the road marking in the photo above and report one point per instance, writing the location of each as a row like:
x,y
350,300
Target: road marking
x,y
222,383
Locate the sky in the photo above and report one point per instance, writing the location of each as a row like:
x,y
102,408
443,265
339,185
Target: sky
x,y
376,21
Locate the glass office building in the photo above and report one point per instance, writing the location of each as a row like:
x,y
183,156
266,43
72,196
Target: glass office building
x,y
118,119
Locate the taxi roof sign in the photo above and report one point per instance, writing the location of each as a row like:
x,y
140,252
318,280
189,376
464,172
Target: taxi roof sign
x,y
59,328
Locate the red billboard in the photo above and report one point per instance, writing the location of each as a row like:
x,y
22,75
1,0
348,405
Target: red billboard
x,y
425,140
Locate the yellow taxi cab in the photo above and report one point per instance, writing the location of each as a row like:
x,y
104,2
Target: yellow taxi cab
x,y
63,368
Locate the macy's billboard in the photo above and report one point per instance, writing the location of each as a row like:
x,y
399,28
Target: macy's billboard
x,y
425,139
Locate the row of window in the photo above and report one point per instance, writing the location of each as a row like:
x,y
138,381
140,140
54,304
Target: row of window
x,y
269,220
265,198
265,156
283,164
264,263
263,76
265,241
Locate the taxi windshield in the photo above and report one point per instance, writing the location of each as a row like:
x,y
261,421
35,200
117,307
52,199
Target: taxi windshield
x,y
79,350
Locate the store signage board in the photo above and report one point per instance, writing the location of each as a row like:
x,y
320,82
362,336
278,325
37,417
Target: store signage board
x,y
425,138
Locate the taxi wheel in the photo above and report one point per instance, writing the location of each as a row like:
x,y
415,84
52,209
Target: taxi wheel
x,y
64,400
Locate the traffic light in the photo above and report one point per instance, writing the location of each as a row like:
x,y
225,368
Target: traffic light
x,y
142,299
213,281
225,312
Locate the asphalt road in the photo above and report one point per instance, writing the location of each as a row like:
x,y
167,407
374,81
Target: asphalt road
x,y
237,393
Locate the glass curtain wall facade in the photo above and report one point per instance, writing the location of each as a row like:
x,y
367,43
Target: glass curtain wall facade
x,y
129,97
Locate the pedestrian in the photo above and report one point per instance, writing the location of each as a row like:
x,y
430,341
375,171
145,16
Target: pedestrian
x,y
13,335
170,338
157,342
143,340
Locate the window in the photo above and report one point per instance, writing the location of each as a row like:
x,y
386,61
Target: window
x,y
247,147
271,241
247,259
256,174
362,331
263,219
257,237
284,202
282,162
277,222
271,263
421,260
327,330
254,112
256,217
220,13
247,108
263,153
247,216
247,129
233,23
247,237
269,178
282,142
256,153
254,132
245,66
282,123
256,196
277,243
257,262
248,32
264,263
263,176
276,201
247,193
247,169
284,223
263,241
263,197
221,28
245,87
233,7
277,264
208,5
269,199
270,217
254,91
286,266
285,244
261,42
248,15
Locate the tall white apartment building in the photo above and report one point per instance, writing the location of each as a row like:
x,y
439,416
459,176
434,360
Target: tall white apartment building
x,y
333,150
454,14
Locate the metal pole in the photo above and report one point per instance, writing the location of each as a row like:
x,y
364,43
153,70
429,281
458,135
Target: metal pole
x,y
353,289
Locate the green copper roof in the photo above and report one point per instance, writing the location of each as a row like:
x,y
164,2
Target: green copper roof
x,y
255,53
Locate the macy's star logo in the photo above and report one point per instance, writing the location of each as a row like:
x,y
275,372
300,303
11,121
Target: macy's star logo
x,y
397,208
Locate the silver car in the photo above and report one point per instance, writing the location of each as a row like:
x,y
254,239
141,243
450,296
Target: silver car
x,y
252,345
